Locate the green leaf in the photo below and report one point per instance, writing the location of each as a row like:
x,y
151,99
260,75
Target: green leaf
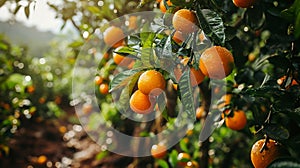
x,y
122,79
128,80
147,37
167,49
276,132
101,155
94,9
212,25
173,158
127,51
187,98
76,44
147,57
162,163
183,146
285,163
27,12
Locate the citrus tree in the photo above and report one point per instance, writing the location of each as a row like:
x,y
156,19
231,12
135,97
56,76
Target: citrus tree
x,y
226,72
31,89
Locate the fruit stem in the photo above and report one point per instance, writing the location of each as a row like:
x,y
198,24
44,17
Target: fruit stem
x,y
265,147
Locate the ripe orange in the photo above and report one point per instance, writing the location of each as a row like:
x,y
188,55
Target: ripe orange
x,y
251,57
120,59
162,6
243,3
132,22
282,79
263,159
238,121
105,55
191,164
103,88
42,159
113,36
159,151
183,158
200,112
224,101
216,62
30,89
178,37
87,108
185,21
98,80
196,76
152,82
141,103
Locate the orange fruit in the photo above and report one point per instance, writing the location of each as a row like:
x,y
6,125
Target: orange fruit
x,y
151,82
282,79
262,159
132,22
141,103
162,6
41,159
191,164
105,55
30,89
200,112
183,158
175,86
185,21
98,80
178,37
158,1
243,3
251,57
216,62
159,151
103,88
58,100
87,108
113,36
238,121
42,100
196,76
120,59
224,101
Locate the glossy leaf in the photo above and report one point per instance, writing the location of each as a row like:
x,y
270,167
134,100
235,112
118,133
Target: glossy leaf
x,y
285,163
187,98
276,132
212,25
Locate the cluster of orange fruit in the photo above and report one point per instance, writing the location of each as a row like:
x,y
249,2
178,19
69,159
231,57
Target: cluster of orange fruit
x,y
159,151
150,84
103,86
